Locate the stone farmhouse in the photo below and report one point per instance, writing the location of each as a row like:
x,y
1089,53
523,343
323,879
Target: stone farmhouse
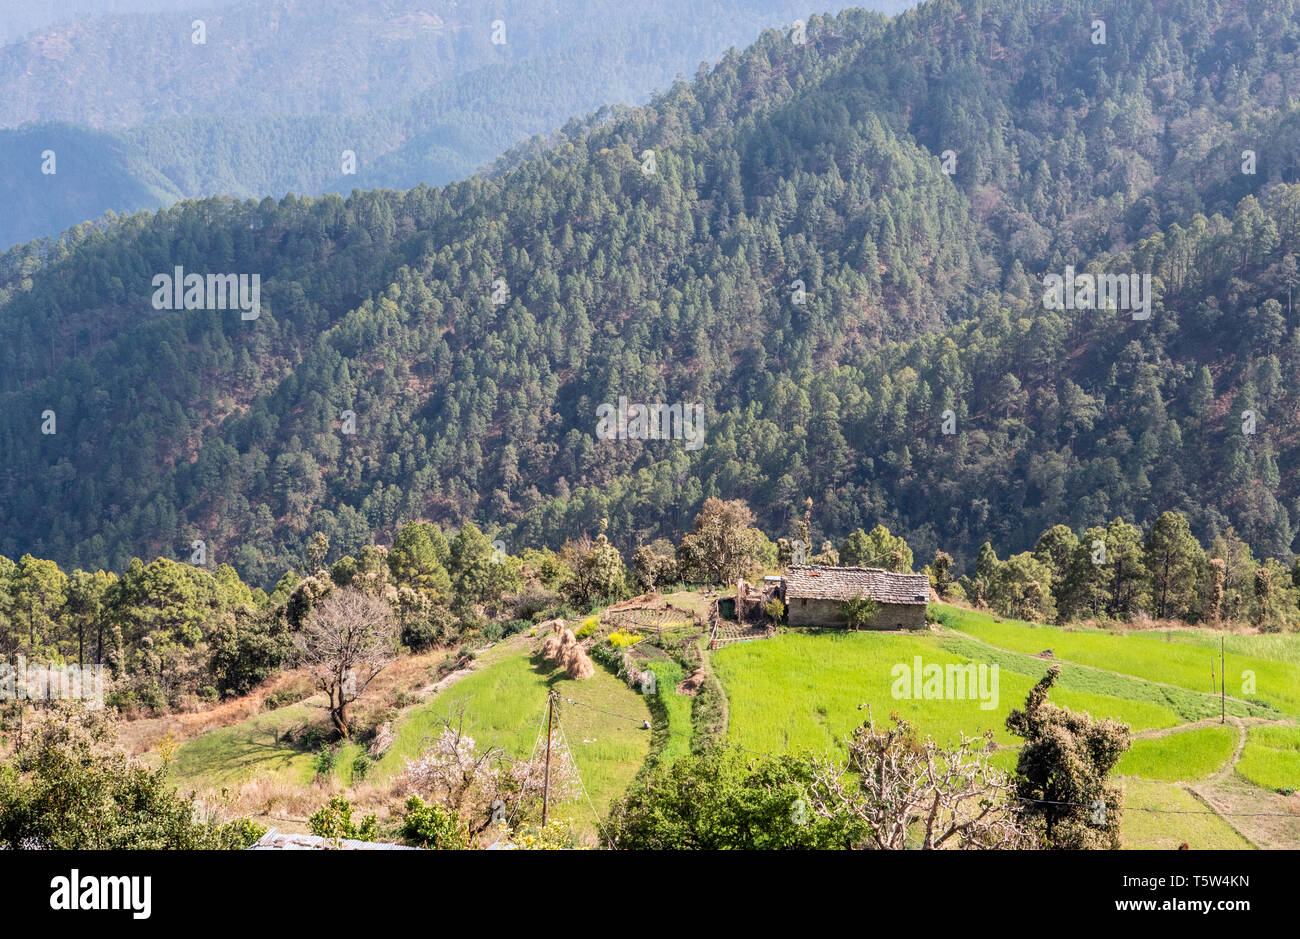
x,y
814,595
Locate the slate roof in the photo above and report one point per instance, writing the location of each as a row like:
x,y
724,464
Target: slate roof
x,y
847,583
275,841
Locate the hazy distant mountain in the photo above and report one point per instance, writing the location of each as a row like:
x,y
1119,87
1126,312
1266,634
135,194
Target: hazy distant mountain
x,y
279,92
21,17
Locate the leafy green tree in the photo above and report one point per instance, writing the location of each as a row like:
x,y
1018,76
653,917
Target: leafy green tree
x,y
1022,587
1083,592
66,786
1062,771
39,590
84,609
941,574
1127,577
722,544
479,574
1174,559
418,560
598,570
1239,566
654,564
247,647
877,548
1056,548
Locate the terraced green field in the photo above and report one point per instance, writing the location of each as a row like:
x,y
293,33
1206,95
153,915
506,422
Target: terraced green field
x,y
676,739
257,748
504,704
1183,665
1184,756
801,692
1161,816
1272,758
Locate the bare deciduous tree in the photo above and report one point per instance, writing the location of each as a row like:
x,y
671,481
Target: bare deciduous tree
x,y
347,640
900,786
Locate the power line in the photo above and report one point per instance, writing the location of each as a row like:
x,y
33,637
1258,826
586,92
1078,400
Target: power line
x,y
578,772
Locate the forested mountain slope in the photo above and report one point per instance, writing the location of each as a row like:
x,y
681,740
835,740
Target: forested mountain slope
x,y
818,163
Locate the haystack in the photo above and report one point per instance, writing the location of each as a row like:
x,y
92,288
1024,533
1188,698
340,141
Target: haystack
x,y
567,641
551,647
578,664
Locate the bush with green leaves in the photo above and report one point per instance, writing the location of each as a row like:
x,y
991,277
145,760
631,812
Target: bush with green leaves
x,y
860,612
726,800
67,786
334,821
323,761
431,826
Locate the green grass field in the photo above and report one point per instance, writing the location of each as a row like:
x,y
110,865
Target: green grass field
x,y
1281,647
1164,830
1187,755
800,692
1142,655
676,742
1272,757
1184,706
504,704
254,748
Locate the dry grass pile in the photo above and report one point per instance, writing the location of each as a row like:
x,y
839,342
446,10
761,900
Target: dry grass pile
x,y
577,664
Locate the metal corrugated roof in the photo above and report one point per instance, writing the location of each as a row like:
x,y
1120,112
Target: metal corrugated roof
x,y
275,841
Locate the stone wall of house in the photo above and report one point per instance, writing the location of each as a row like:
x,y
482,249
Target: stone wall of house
x,y
805,612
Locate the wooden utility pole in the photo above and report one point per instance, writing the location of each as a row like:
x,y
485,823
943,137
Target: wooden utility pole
x,y
546,784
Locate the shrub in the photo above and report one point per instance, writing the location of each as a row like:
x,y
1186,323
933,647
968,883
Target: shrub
x,y
588,627
334,820
430,826
621,640
284,697
607,656
323,761
401,699
240,834
361,764
516,626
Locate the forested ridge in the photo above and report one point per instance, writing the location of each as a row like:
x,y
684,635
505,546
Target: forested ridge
x,y
817,166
